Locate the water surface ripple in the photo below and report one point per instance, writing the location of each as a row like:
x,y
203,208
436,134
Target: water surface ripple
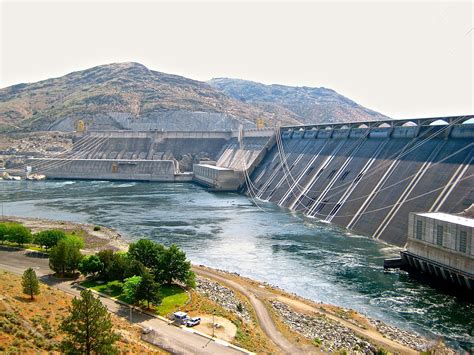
x,y
226,231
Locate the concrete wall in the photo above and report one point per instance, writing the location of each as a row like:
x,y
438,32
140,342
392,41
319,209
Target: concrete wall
x,y
368,180
448,253
219,179
107,169
154,145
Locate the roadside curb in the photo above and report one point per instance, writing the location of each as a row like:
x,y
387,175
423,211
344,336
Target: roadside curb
x,y
169,322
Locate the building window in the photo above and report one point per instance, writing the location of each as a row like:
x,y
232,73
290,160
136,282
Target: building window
x,y
439,235
419,230
463,241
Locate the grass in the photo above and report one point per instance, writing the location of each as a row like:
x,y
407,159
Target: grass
x,y
173,297
24,246
111,288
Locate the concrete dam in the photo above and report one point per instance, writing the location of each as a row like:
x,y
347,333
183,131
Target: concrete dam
x,y
366,177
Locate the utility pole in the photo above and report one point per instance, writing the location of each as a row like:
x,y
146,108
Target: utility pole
x,y
213,322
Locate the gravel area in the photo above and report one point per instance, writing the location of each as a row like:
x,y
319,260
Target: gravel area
x,y
329,335
223,296
409,339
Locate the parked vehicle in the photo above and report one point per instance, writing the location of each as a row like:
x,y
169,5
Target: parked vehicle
x,y
180,317
147,330
193,321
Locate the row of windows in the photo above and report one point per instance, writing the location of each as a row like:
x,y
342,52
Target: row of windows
x,y
439,236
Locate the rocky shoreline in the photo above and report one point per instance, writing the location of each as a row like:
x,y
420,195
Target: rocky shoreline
x,y
223,296
325,333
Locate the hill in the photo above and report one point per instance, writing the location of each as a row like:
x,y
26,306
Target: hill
x,y
305,104
124,96
131,96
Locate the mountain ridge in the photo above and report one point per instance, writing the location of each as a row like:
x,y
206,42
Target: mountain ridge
x,y
131,96
308,104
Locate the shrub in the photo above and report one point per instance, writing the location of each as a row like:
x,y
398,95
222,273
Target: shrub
x,y
97,228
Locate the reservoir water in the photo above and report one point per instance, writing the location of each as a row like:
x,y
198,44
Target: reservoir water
x,y
228,231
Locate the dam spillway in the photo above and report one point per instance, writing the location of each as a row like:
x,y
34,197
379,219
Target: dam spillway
x,y
366,177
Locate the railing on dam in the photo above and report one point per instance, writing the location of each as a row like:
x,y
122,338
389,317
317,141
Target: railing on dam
x,y
449,120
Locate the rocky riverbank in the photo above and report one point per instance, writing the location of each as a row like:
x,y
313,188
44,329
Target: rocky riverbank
x,y
223,296
410,339
329,335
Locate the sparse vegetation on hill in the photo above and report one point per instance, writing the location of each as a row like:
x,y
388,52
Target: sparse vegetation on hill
x,y
124,88
136,93
30,327
88,327
305,104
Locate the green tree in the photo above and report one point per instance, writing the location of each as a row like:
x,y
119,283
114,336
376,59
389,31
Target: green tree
x,y
134,267
19,234
147,252
130,288
3,232
88,327
30,283
49,238
174,266
115,264
148,290
65,256
91,265
76,241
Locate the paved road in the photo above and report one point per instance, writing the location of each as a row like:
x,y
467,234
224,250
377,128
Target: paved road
x,y
168,337
264,319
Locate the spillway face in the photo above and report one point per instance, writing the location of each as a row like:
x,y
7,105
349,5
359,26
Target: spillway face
x,y
369,179
148,145
109,169
131,155
241,155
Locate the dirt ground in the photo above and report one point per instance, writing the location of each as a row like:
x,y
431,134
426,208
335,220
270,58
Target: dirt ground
x,y
224,328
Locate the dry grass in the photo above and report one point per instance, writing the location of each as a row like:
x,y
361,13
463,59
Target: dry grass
x,y
248,336
32,326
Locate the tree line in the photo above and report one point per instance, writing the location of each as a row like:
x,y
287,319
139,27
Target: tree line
x,y
143,269
19,234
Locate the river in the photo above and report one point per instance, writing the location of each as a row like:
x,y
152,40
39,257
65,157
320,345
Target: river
x,y
227,231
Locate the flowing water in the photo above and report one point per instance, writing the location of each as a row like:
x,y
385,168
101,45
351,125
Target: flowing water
x,y
226,231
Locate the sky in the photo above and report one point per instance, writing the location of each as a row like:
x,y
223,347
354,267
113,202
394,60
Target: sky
x,y
403,59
